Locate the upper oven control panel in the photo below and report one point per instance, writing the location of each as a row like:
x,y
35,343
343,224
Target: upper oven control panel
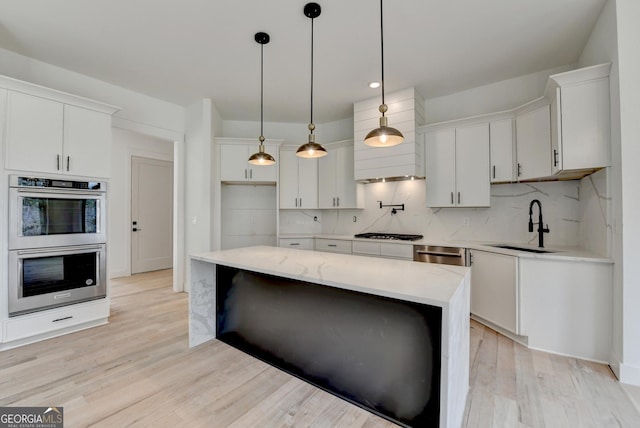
x,y
56,183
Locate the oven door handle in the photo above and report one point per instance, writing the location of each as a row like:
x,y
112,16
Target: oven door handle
x,y
65,192
60,250
439,253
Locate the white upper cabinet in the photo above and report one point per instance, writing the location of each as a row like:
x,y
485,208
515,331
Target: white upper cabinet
x,y
406,112
502,154
298,183
336,185
580,119
234,161
87,142
457,167
51,136
533,143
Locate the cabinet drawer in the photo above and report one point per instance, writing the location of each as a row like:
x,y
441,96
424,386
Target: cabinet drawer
x,y
369,248
333,245
398,251
46,321
297,243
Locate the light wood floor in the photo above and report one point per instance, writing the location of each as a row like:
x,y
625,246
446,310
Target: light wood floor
x,y
139,371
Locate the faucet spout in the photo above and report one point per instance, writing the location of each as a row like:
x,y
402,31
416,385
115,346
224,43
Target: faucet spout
x,y
541,229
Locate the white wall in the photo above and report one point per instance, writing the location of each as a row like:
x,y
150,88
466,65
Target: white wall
x,y
495,97
135,107
628,17
613,40
290,133
127,144
248,215
202,121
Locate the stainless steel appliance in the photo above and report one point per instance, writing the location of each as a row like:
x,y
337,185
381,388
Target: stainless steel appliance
x,y
388,236
57,242
44,278
441,255
52,212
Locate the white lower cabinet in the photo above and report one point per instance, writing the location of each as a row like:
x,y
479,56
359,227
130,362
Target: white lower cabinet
x,y
567,307
333,245
297,243
383,249
494,289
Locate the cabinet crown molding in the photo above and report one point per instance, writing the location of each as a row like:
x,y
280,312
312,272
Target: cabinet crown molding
x,y
55,95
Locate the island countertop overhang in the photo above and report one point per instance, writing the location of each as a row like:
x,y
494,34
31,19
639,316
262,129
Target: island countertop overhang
x,y
424,283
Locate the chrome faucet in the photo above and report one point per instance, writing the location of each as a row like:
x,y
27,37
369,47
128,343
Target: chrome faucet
x,y
541,230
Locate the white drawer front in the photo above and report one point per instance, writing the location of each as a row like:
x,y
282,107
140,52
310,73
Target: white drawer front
x,y
54,319
369,248
333,245
297,243
400,251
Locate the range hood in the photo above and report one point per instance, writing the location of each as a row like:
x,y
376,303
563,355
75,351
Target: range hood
x,y
401,162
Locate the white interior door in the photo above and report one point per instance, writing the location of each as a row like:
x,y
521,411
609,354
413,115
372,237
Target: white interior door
x,y
151,214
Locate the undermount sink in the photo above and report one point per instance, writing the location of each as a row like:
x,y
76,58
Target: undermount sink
x,y
529,250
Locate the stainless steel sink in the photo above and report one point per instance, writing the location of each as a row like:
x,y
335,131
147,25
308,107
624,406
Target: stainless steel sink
x,y
529,250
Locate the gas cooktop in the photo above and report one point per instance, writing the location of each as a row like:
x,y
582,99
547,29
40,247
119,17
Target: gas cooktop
x,y
390,236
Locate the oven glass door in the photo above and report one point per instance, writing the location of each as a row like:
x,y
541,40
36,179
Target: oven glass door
x,y
48,219
46,278
43,275
57,216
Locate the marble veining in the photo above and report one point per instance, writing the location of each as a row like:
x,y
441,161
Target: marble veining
x,y
438,285
575,210
417,282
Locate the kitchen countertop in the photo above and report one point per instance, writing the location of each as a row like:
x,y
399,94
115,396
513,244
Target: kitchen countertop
x,y
565,253
426,283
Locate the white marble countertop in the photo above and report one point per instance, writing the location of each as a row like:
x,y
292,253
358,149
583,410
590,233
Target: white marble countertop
x,y
426,283
566,253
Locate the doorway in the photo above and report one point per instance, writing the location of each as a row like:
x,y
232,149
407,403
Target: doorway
x,y
151,214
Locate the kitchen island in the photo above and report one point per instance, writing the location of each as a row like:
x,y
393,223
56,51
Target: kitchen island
x,y
391,336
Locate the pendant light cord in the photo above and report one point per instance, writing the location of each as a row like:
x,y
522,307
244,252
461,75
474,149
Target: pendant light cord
x,y
261,89
382,54
311,74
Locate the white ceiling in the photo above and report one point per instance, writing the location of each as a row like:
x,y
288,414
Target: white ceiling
x,y
183,51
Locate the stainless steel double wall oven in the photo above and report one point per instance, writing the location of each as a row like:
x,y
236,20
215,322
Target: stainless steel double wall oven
x,y
57,242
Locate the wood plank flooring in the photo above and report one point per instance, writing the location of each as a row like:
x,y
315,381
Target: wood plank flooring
x,y
138,371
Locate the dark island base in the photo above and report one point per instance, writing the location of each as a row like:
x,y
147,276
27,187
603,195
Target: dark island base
x,y
379,353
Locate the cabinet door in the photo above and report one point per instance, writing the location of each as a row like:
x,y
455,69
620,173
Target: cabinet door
x,y
288,183
234,165
350,194
473,187
328,179
307,183
585,125
494,288
501,150
87,142
533,142
440,168
34,133
556,137
263,173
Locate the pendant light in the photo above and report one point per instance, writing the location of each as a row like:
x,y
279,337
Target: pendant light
x,y
261,157
384,136
311,149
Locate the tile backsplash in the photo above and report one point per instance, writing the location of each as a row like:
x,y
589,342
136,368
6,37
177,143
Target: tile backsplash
x,y
575,211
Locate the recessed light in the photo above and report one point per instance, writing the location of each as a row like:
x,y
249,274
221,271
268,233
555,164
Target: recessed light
x,y
374,85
